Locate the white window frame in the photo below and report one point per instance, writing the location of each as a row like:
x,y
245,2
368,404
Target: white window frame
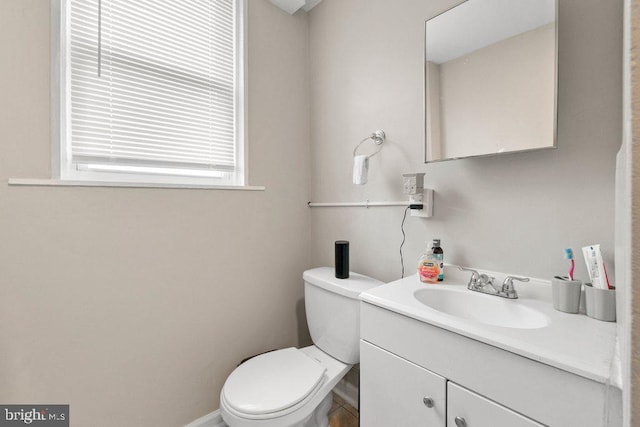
x,y
65,171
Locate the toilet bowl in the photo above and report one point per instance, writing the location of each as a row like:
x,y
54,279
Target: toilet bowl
x,y
292,387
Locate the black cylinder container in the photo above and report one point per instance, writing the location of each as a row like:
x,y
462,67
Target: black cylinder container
x,y
342,259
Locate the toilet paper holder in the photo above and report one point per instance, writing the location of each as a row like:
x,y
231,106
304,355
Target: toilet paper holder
x,y
378,138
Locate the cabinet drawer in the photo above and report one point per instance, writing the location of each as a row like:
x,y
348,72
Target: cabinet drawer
x,y
393,391
477,411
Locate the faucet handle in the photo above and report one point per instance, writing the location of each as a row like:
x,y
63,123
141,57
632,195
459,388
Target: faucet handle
x,y
475,276
473,272
508,288
508,281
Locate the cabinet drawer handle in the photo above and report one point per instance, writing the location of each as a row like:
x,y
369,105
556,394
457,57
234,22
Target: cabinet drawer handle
x,y
428,402
460,422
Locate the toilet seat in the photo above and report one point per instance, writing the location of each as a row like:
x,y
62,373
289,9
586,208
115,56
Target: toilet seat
x,y
300,413
273,384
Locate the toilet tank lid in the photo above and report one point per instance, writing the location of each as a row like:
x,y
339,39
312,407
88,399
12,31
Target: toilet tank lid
x,y
325,277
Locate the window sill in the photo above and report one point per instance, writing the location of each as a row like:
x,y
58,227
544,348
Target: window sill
x,y
59,183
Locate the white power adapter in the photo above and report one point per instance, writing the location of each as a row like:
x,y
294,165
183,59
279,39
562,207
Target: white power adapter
x,y
420,199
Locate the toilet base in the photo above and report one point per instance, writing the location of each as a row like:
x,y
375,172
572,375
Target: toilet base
x,y
320,417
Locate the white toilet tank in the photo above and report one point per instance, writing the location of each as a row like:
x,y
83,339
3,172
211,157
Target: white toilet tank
x,y
333,311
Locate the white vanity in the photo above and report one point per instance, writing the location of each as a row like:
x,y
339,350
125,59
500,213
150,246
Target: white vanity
x,y
442,355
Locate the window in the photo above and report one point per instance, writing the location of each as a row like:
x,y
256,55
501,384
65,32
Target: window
x,y
151,91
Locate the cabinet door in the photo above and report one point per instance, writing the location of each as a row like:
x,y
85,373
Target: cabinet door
x,y
395,392
473,410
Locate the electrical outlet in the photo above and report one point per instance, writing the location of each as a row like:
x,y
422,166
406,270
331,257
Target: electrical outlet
x,y
413,185
426,198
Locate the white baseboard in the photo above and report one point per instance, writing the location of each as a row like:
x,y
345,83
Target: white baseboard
x,y
213,419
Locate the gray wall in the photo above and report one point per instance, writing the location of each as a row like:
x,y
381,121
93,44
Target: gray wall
x,y
515,213
133,305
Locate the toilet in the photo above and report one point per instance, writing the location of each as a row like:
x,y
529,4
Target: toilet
x,y
292,387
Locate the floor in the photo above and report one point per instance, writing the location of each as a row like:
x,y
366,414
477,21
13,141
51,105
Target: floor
x,y
342,414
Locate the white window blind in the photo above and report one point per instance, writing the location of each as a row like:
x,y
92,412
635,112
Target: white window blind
x,y
152,83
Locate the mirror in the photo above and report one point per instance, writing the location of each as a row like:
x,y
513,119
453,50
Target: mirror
x,y
491,79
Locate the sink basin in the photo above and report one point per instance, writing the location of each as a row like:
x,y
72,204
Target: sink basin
x,y
477,307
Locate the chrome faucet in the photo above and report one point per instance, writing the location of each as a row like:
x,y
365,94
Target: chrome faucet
x,y
508,290
487,284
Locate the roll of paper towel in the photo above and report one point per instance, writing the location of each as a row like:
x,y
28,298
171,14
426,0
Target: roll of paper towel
x,y
360,169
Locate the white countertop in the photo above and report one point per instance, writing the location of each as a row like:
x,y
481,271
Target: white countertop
x,y
571,342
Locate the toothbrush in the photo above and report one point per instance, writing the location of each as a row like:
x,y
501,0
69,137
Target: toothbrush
x,y
568,253
606,276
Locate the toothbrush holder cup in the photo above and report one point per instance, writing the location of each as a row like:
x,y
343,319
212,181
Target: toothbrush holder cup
x,y
600,303
566,295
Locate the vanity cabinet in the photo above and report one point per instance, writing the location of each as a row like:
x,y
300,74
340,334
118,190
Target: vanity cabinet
x,y
404,360
396,392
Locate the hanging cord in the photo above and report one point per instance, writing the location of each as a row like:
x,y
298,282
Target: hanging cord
x,y
404,217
